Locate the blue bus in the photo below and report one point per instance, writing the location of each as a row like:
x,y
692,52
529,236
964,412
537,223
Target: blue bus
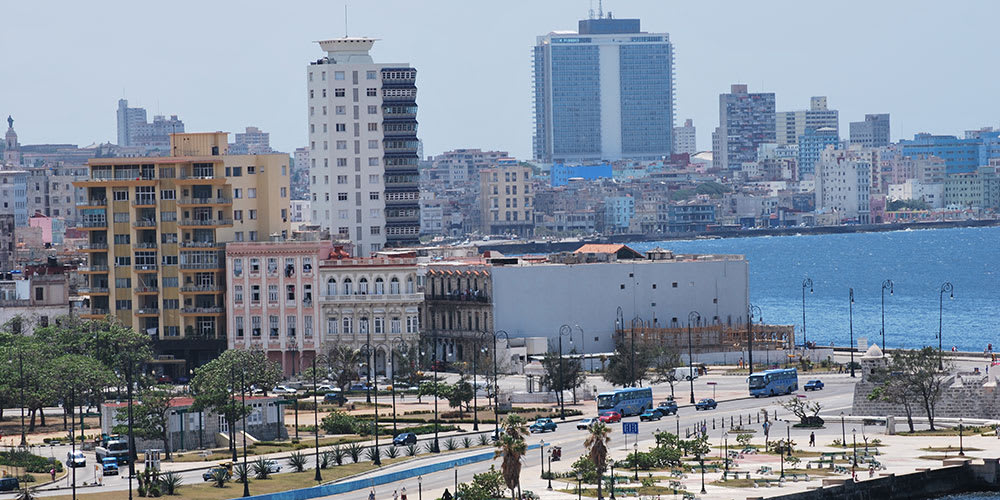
x,y
774,382
626,401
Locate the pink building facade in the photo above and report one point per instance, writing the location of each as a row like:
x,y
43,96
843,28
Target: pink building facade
x,y
274,291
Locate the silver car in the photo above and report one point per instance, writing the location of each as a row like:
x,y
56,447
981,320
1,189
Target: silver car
x,y
586,423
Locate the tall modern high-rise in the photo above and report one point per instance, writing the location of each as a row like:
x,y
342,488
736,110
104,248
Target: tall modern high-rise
x,y
685,138
362,116
790,125
745,121
871,133
605,92
134,130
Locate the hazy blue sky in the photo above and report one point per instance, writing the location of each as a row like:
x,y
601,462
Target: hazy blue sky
x,y
225,65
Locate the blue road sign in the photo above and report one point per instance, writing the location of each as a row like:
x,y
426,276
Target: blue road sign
x,y
630,427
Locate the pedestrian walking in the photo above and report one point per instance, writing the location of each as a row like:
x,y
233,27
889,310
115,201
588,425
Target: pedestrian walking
x,y
395,495
447,495
402,493
52,472
371,495
812,439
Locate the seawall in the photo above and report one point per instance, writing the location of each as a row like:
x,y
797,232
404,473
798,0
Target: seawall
x,y
957,476
523,247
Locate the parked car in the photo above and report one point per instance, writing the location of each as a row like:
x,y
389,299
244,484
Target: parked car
x,y
273,467
326,388
404,438
109,466
650,415
610,417
9,484
76,459
164,379
542,425
814,385
706,404
208,475
668,407
358,387
283,389
335,398
586,423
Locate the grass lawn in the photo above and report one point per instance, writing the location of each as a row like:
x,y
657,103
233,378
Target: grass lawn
x,y
256,449
7,470
968,431
589,491
945,457
278,482
948,449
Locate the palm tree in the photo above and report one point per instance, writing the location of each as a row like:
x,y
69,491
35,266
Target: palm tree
x,y
597,441
343,363
511,447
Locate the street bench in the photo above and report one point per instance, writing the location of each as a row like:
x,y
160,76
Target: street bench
x,y
689,496
841,470
734,475
764,470
797,477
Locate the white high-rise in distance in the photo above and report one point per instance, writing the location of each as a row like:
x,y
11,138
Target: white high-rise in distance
x,y
363,179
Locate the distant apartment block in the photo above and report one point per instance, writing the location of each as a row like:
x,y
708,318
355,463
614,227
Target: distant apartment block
x,y
745,121
963,155
811,145
506,199
605,92
460,167
871,133
156,234
685,138
363,147
134,130
843,185
252,141
14,193
790,125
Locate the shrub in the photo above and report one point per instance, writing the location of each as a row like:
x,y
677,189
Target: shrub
x,y
325,459
338,422
297,461
170,482
219,478
484,439
411,450
29,462
372,453
744,439
261,468
338,454
392,452
241,473
450,444
466,442
354,451
429,447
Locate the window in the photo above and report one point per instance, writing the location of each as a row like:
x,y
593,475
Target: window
x,y
341,179
341,144
307,265
341,127
120,195
251,192
363,325
409,285
348,287
169,260
343,214
374,213
168,216
284,192
338,92
237,171
375,230
348,325
370,92
373,127
411,324
395,326
341,110
255,326
123,282
379,286
338,75
123,239
379,325
239,326
255,294
363,286
237,267
272,323
373,162
272,266
369,75
341,162
307,326
168,194
290,326
237,193
373,195
120,216
253,214
394,286
372,109
237,215
123,261
272,293
170,282
331,325
238,293
123,304
171,304
253,235
342,196
373,144
290,293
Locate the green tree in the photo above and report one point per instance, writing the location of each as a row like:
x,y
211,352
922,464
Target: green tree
x,y
665,363
563,376
484,486
79,380
511,447
713,189
897,205
924,377
893,388
620,370
459,394
597,442
150,417
217,385
343,362
806,411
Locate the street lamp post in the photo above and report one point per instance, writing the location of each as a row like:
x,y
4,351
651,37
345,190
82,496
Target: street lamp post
x,y
851,323
788,437
369,354
496,381
420,487
702,460
887,284
843,431
635,458
854,434
752,311
319,477
725,446
806,283
612,477
550,470
563,330
401,345
243,412
475,385
541,450
961,435
583,348
368,368
434,367
949,289
579,485
693,316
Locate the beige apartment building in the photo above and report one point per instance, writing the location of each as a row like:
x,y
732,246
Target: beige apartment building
x,y
157,233
506,199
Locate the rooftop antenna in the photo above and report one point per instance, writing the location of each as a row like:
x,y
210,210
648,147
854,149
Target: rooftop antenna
x,y
591,11
600,9
345,19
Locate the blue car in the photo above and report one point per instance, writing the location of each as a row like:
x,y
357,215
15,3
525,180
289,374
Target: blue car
x,y
542,425
814,385
109,466
650,415
706,404
404,438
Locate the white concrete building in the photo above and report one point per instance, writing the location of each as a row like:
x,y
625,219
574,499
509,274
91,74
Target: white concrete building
x,y
790,125
363,146
843,184
913,189
685,138
300,210
535,299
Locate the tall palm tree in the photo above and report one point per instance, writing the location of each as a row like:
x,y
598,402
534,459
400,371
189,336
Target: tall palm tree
x,y
597,442
512,447
343,363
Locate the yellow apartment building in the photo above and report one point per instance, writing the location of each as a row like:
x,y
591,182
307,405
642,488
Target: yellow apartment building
x,y
157,230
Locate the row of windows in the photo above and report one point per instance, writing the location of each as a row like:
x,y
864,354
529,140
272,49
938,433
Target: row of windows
x,y
340,75
345,325
273,325
272,266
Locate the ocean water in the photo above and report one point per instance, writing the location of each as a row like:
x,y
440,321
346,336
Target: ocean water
x,y
972,496
917,261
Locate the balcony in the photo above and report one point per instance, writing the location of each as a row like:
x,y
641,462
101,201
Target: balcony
x,y
372,299
145,201
146,289
147,311
94,224
202,244
206,222
92,203
93,269
96,312
201,289
145,268
146,245
461,297
15,302
201,265
203,311
92,290
144,223
205,201
93,247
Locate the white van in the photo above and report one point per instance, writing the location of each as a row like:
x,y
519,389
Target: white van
x,y
686,373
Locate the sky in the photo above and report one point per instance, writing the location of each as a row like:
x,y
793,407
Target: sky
x,y
227,65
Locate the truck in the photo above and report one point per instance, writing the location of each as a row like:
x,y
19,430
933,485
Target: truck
x,y
685,373
113,447
109,466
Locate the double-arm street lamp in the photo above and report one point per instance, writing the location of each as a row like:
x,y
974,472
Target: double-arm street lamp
x,y
398,344
946,287
564,330
851,323
693,317
434,367
886,285
806,283
370,355
496,382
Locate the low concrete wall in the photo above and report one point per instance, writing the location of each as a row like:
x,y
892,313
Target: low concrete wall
x,y
759,357
947,480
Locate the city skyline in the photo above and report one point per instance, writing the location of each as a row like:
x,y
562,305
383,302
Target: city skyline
x,y
707,63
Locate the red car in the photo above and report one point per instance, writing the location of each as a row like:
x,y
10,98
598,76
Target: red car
x,y
610,417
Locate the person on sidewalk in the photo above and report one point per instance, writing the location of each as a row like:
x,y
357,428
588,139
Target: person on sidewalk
x,y
52,472
447,495
402,493
812,439
371,495
395,495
